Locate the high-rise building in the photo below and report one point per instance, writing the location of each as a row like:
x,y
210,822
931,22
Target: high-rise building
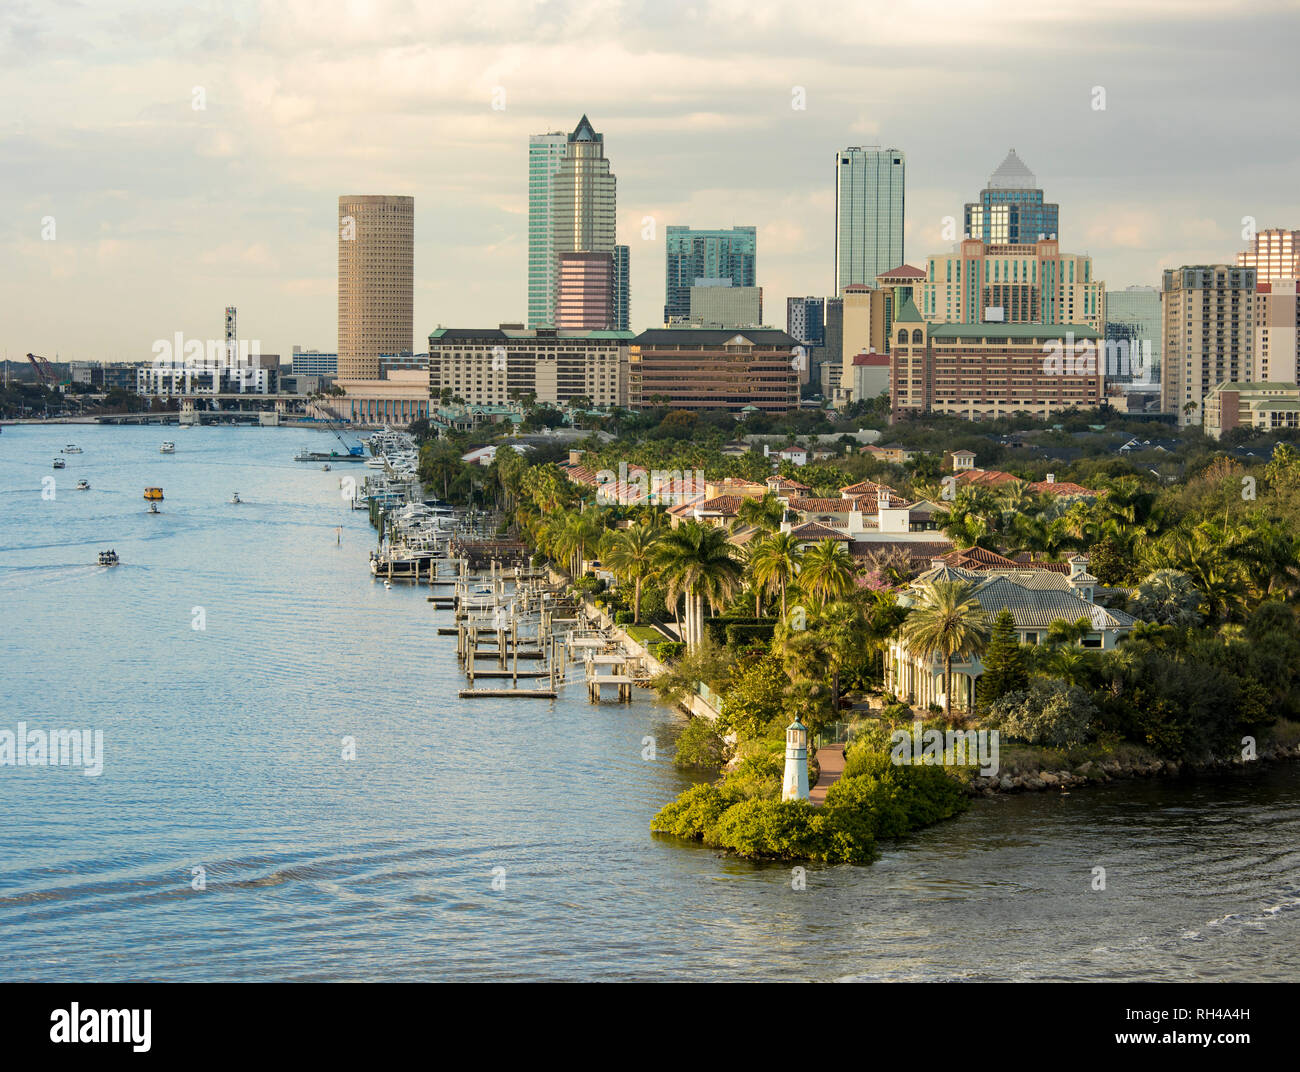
x,y
545,152
1208,334
376,281
805,320
691,255
868,214
1133,334
1277,342
1275,255
1011,210
622,288
863,328
1024,284
583,197
586,292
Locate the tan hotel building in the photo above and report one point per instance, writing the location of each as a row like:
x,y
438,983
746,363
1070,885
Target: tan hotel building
x,y
1207,334
700,368
493,366
985,371
1031,284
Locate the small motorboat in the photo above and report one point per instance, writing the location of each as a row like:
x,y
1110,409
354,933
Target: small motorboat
x,y
59,463
153,508
108,558
83,485
325,468
167,448
72,448
235,499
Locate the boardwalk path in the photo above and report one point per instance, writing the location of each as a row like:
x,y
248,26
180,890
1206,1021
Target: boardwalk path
x,y
831,760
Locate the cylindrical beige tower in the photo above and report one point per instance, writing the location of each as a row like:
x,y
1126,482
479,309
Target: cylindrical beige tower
x,y
376,281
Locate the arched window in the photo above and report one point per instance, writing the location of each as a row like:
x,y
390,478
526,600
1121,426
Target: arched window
x,y
902,334
916,335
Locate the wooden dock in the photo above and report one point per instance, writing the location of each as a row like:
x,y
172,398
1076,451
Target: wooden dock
x,y
536,694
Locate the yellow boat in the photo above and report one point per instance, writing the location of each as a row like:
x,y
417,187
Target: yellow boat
x,y
153,494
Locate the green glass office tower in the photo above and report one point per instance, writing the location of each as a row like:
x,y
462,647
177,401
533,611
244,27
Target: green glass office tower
x,y
1011,209
868,214
691,255
545,152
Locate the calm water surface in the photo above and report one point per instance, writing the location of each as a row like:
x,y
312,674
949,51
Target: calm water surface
x,y
223,751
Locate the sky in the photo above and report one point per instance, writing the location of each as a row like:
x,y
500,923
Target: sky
x,y
130,214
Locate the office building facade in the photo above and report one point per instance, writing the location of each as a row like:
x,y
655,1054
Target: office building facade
x,y
376,281
1133,332
1011,210
691,255
545,153
1274,254
869,188
699,369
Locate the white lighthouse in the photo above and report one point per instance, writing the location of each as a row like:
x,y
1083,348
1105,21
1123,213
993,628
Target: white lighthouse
x,y
795,784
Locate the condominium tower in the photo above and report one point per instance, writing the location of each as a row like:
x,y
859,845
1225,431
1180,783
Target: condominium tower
x,y
1207,312
868,214
376,281
1275,254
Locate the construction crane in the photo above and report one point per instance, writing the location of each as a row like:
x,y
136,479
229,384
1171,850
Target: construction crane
x,y
356,451
44,370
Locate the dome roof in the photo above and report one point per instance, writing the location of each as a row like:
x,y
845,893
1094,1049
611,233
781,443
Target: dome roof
x,y
1012,175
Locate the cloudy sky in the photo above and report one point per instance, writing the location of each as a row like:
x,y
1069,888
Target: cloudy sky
x,y
163,213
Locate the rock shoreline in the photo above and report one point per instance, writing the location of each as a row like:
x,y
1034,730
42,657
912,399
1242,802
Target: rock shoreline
x,y
1100,772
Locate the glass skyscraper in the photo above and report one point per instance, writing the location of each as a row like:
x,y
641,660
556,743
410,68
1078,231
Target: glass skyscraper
x,y
691,255
545,151
868,214
1133,316
1011,210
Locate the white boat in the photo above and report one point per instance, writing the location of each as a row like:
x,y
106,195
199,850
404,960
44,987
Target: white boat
x,y
234,498
108,558
72,448
167,448
324,468
59,463
83,485
153,508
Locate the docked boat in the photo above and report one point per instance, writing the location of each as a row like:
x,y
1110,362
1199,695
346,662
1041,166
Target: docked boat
x,y
167,448
72,448
108,558
83,485
59,463
235,499
153,495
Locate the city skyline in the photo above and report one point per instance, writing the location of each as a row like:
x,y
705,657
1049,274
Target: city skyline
x,y
166,212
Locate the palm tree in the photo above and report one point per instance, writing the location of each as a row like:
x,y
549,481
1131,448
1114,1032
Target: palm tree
x,y
696,563
827,572
633,555
946,621
775,564
764,514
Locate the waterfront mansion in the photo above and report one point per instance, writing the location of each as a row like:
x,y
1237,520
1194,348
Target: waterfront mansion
x,y
1035,596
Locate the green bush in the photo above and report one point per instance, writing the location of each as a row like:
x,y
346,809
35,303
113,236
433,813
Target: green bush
x,y
739,636
699,746
717,627
623,617
669,649
1049,713
695,811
